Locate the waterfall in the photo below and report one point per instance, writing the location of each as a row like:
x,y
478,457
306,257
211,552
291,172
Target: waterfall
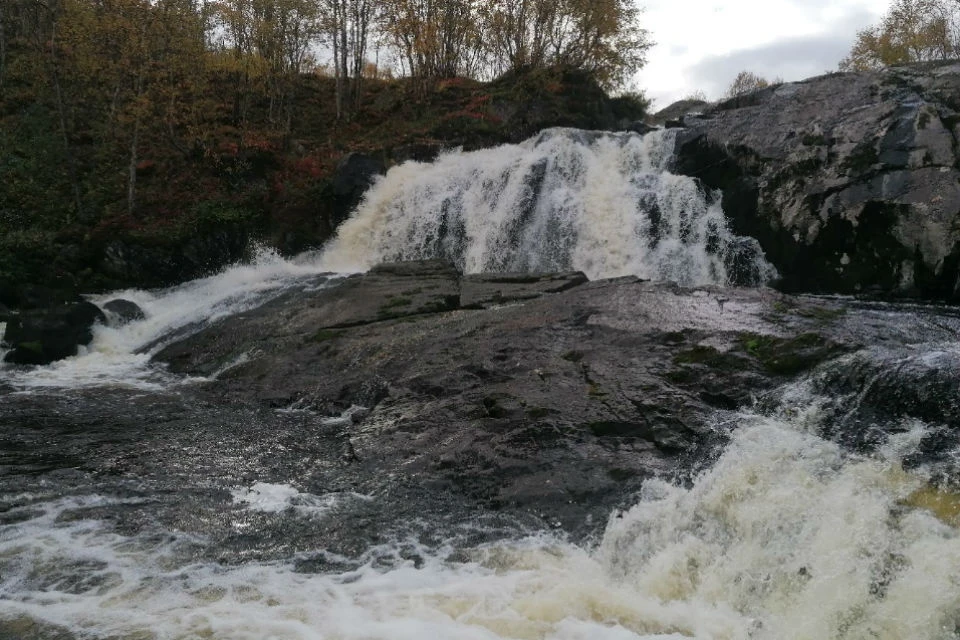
x,y
602,203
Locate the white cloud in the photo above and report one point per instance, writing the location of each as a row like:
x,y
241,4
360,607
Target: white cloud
x,y
703,44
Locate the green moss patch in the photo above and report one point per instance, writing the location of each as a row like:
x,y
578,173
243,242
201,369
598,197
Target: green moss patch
x,y
788,356
709,357
326,335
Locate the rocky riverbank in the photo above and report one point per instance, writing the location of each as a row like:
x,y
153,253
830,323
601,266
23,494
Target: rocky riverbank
x,y
850,182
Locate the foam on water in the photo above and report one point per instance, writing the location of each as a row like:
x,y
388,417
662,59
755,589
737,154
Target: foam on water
x,y
276,498
121,355
601,203
786,537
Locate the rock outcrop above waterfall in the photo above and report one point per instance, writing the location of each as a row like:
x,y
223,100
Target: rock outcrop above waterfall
x,y
544,395
851,182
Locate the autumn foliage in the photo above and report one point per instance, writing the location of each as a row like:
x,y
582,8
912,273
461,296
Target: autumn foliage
x,y
159,117
911,31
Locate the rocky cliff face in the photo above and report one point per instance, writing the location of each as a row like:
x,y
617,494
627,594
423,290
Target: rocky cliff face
x,y
851,182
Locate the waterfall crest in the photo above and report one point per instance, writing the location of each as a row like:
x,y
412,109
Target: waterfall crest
x,y
601,203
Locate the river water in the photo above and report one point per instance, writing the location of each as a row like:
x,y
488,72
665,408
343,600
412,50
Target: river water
x,y
191,522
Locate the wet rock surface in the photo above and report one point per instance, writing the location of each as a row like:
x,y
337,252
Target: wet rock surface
x,y
123,312
479,408
850,182
552,405
42,336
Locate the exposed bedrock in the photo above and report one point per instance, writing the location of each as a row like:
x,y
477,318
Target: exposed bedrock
x,y
544,395
851,182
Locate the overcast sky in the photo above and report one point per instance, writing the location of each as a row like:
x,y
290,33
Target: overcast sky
x,y
703,44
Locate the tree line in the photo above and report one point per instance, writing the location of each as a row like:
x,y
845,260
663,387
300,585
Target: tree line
x,y
910,31
109,68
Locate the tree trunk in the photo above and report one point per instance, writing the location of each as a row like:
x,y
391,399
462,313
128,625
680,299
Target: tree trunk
x,y
134,151
344,54
336,58
3,48
132,169
62,115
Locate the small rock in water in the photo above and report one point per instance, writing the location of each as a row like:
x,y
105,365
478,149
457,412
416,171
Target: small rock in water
x,y
121,312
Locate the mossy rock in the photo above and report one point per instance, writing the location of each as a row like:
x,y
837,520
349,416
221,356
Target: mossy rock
x,y
789,356
326,335
710,357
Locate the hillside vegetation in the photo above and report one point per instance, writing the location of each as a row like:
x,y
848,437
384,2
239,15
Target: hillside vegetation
x,y
146,143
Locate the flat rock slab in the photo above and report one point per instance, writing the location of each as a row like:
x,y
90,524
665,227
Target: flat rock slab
x,y
484,290
556,405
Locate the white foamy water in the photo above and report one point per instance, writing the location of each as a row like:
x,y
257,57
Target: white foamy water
x,y
277,498
785,537
601,203
121,355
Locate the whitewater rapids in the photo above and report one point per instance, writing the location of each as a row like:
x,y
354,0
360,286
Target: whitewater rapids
x,y
786,536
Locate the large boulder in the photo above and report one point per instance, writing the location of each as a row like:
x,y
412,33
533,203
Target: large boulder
x,y
849,181
536,401
42,336
678,110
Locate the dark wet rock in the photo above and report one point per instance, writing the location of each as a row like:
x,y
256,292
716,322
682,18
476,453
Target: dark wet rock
x,y
43,336
888,390
483,290
354,174
457,425
415,152
31,296
8,292
120,312
745,263
558,404
639,127
850,182
677,110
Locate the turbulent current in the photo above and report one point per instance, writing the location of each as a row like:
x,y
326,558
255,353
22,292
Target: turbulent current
x,y
601,203
790,533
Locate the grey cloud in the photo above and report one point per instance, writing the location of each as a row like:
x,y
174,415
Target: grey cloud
x,y
793,59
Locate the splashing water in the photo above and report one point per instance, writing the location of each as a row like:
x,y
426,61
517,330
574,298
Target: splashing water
x,y
121,355
786,537
601,203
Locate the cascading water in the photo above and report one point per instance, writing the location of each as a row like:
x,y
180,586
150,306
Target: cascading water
x,y
791,534
121,355
786,537
601,203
